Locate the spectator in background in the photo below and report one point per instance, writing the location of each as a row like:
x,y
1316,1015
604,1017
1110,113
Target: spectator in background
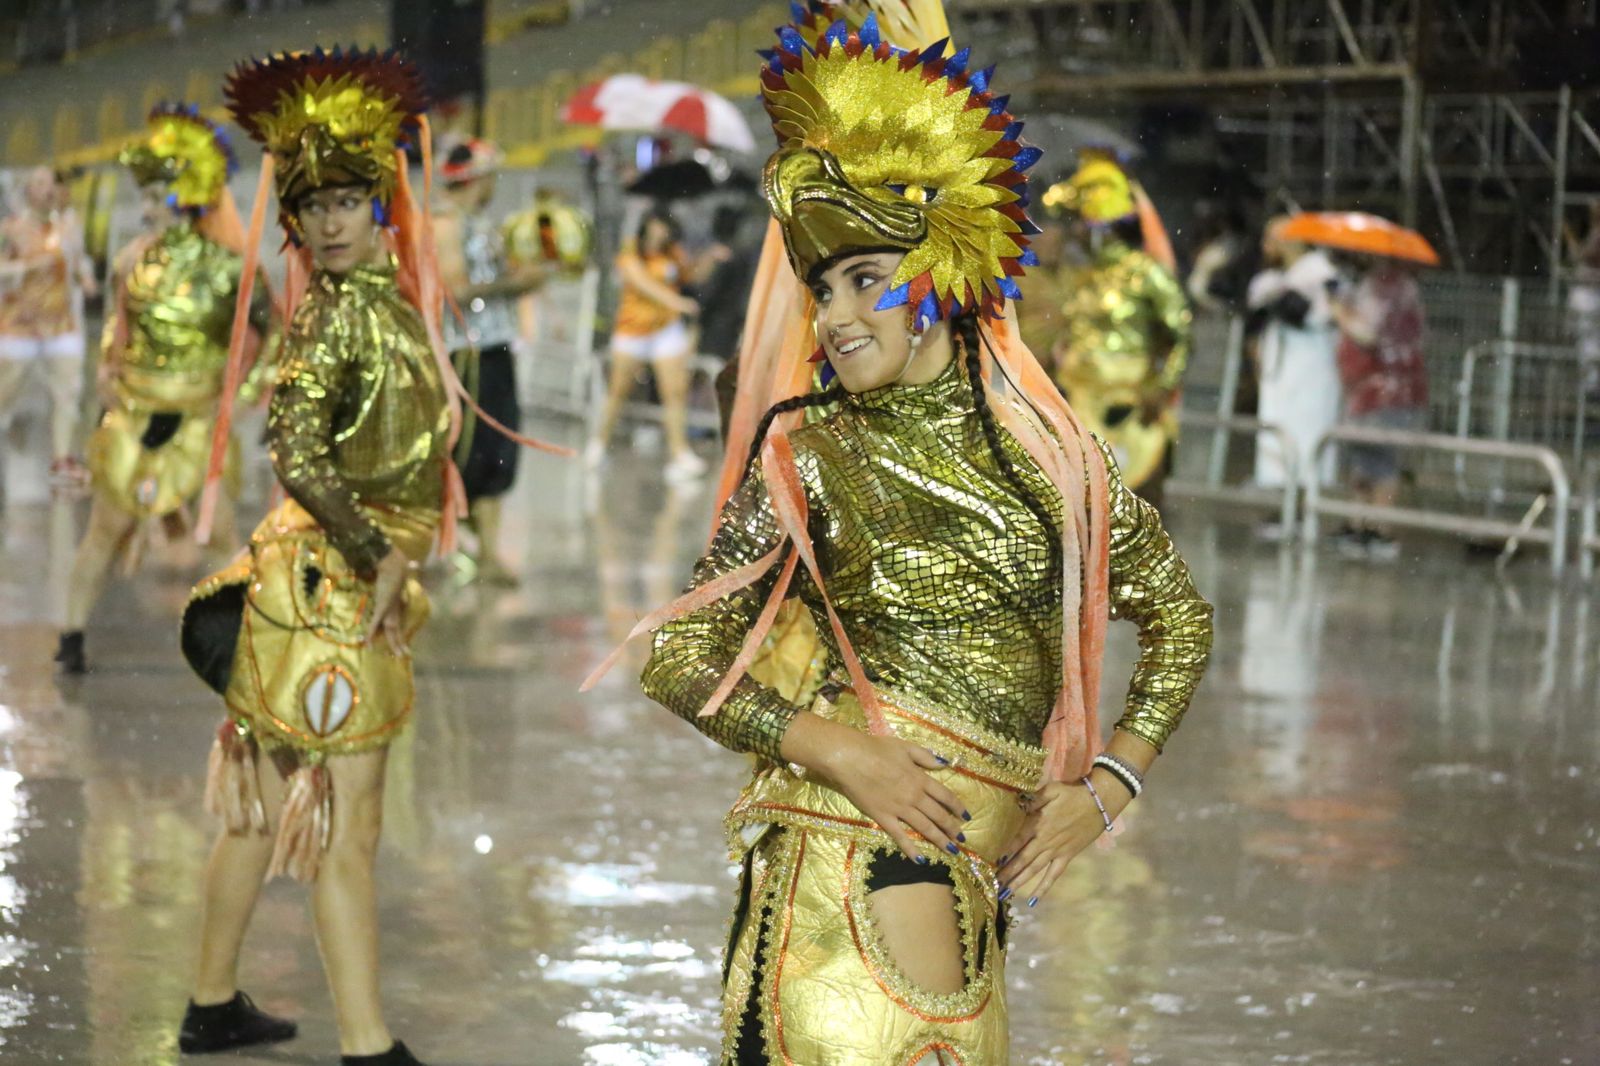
x,y
1583,298
651,331
44,276
1215,284
725,296
1296,360
1385,379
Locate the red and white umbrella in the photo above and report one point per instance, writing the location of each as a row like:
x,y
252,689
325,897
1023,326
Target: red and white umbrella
x,y
634,102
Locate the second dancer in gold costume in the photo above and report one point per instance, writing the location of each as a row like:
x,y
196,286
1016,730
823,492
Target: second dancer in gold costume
x,y
958,541
165,347
1123,340
306,636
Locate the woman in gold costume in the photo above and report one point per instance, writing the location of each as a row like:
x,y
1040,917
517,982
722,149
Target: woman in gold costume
x,y
957,542
1123,341
307,635
163,354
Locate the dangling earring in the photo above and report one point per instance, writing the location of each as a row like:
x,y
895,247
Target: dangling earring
x,y
914,341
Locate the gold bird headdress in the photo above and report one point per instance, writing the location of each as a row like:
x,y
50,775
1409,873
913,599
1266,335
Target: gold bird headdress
x,y
328,118
1099,191
186,152
885,148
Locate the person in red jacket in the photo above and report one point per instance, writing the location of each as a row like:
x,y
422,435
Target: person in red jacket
x,y
1385,376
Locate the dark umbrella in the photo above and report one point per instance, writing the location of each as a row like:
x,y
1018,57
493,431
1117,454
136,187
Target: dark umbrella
x,y
686,179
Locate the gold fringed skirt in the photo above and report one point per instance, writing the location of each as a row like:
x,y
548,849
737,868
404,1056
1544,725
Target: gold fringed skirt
x,y
805,946
281,634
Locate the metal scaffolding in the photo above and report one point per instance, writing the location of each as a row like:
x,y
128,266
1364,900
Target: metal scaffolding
x,y
1405,107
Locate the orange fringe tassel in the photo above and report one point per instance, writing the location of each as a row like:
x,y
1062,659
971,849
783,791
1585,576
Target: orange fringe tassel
x,y
305,826
239,353
233,787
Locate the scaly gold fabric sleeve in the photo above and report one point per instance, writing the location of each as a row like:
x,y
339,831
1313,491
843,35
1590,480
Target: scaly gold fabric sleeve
x,y
318,370
1151,587
692,654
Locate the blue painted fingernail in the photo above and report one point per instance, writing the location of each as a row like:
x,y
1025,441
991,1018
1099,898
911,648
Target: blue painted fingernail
x,y
1003,860
961,837
1005,894
1032,901
966,816
940,759
921,860
952,849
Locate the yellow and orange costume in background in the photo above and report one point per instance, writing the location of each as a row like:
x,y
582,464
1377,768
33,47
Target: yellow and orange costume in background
x,y
1121,339
360,430
941,610
166,341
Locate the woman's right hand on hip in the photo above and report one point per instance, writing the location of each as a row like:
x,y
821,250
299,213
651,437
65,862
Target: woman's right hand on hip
x,y
888,780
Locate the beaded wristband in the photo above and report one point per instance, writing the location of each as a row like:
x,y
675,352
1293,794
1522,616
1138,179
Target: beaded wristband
x,y
1117,768
1101,806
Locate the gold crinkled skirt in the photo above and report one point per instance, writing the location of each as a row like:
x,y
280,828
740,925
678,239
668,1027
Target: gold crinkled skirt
x,y
830,995
299,671
153,482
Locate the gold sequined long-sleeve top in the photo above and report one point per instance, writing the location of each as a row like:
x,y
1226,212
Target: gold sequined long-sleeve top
x,y
179,294
941,575
359,427
1124,324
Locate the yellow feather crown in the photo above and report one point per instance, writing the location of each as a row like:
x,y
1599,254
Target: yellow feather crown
x,y
186,152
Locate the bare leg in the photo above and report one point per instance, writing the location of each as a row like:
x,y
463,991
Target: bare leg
x,y
486,523
64,374
224,530
623,372
919,929
344,902
233,878
104,540
672,378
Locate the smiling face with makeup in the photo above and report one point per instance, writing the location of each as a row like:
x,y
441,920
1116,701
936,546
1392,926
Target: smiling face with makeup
x,y
339,228
869,348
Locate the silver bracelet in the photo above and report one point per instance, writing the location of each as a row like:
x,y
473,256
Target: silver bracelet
x,y
1096,794
1123,771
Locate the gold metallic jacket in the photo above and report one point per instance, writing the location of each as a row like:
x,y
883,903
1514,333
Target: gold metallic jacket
x,y
941,575
359,427
179,297
1124,326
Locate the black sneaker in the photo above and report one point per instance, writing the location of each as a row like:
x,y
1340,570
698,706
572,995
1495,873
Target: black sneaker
x,y
69,653
399,1055
234,1024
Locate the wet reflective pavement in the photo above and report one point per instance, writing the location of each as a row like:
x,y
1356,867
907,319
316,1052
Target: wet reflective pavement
x,y
1374,841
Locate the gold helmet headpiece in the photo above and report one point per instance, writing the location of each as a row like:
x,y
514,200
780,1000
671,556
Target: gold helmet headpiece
x,y
884,148
186,152
328,118
1099,191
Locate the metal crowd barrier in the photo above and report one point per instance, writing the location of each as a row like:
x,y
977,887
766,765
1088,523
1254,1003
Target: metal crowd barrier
x,y
1536,394
1589,518
1215,488
1555,535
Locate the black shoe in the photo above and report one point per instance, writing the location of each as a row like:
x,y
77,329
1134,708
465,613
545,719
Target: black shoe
x,y
69,653
234,1024
399,1055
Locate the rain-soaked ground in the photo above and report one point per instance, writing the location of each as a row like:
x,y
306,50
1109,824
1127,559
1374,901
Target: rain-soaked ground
x,y
1373,841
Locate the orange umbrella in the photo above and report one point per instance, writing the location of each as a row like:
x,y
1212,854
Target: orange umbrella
x,y
1357,231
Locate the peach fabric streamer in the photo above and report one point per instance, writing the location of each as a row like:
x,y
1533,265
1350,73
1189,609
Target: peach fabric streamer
x,y
1157,245
233,376
778,339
